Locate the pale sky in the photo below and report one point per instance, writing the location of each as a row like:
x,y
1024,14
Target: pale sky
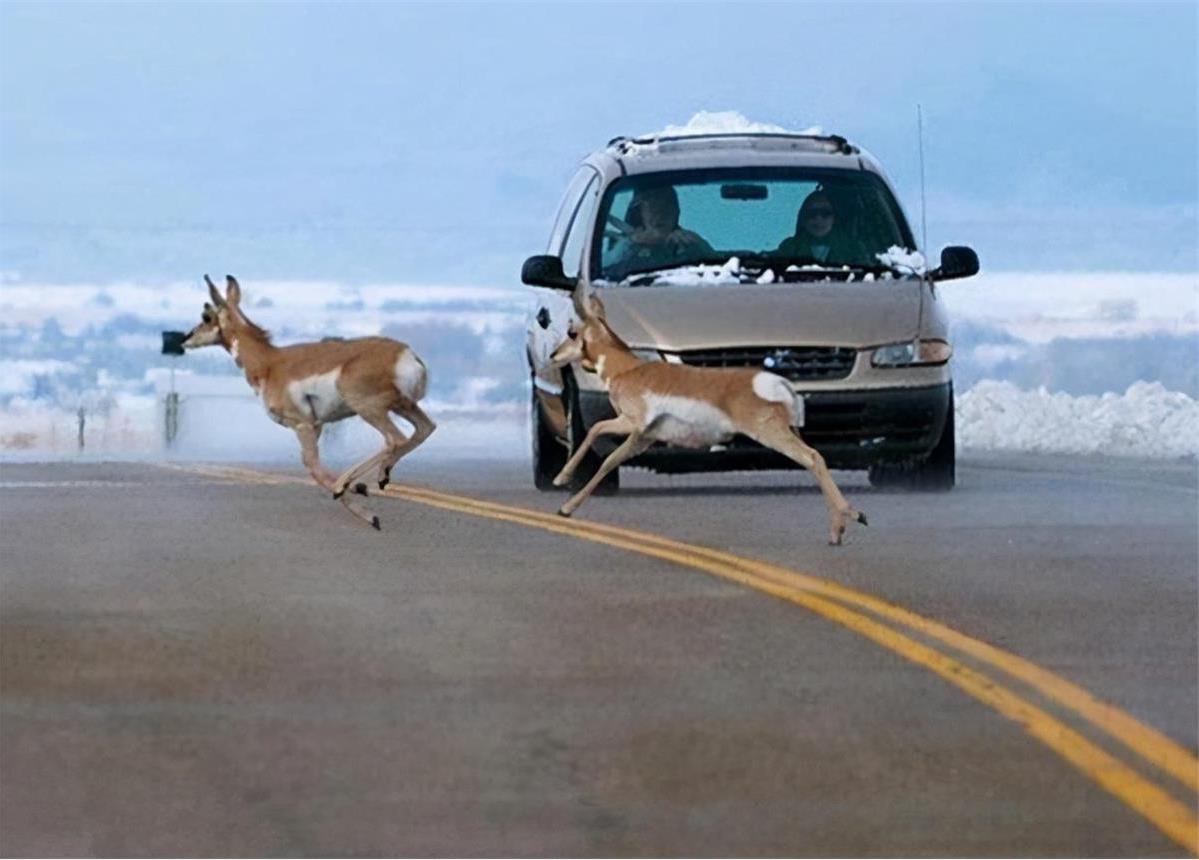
x,y
412,142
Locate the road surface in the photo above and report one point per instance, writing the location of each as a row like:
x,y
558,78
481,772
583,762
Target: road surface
x,y
219,660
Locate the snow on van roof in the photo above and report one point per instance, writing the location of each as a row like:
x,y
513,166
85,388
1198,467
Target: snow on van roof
x,y
725,122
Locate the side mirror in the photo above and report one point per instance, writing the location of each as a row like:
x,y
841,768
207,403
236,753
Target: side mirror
x,y
172,342
957,261
545,270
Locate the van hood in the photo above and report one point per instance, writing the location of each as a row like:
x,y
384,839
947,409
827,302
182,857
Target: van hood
x,y
809,314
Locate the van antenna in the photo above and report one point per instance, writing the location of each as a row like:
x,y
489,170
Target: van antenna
x,y
920,140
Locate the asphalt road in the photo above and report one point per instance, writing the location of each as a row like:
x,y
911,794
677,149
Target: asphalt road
x,y
211,662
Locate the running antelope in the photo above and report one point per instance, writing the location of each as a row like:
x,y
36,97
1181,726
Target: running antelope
x,y
689,406
306,386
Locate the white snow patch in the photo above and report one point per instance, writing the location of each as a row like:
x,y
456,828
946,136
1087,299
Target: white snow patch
x,y
725,122
126,424
990,354
702,275
1146,421
1040,306
902,258
299,306
18,376
470,393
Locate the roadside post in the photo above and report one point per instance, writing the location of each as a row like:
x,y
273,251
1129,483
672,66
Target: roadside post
x,y
172,345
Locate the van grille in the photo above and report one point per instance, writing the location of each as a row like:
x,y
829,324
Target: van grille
x,y
796,363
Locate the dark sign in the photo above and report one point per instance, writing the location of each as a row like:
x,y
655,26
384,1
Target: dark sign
x,y
172,342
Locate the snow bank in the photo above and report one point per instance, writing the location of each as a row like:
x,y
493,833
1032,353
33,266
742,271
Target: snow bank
x,y
117,426
1146,421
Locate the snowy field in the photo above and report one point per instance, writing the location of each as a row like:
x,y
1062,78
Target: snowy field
x,y
1102,363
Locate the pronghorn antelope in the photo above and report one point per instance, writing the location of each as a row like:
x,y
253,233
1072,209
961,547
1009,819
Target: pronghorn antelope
x,y
689,406
309,385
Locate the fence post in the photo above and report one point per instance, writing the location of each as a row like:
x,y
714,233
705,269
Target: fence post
x,y
172,417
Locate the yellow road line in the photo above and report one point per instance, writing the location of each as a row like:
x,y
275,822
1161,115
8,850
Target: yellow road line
x,y
1150,744
1170,816
1157,806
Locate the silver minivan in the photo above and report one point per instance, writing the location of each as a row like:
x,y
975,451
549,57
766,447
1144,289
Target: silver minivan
x,y
783,251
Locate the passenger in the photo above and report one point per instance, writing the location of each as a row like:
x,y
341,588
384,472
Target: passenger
x,y
819,238
652,234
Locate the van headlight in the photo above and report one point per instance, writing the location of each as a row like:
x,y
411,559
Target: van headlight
x,y
912,352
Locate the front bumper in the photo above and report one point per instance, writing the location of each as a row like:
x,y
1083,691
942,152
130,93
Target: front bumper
x,y
851,430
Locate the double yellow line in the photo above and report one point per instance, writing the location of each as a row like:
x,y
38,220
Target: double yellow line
x,y
865,614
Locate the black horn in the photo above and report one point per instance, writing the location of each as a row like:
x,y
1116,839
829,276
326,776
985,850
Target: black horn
x,y
214,292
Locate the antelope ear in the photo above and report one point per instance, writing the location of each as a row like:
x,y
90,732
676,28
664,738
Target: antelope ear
x,y
232,290
214,292
583,302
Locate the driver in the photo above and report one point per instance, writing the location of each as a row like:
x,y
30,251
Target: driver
x,y
651,234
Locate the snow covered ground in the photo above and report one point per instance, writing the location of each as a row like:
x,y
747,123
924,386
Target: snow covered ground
x,y
1076,363
1145,421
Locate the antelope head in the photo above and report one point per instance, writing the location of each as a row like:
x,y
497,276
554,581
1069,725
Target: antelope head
x,y
218,316
588,338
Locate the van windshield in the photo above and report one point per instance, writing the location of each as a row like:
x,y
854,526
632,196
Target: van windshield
x,y
782,216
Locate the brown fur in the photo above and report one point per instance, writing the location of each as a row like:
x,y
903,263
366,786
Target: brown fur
x,y
366,385
731,391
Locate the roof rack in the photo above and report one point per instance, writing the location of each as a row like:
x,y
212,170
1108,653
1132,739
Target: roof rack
x,y
836,142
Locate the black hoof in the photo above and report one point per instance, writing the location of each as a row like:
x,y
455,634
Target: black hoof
x,y
383,484
375,524
338,494
360,489
862,518
563,513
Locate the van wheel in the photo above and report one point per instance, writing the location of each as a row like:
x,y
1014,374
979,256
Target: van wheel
x,y
610,485
549,455
936,473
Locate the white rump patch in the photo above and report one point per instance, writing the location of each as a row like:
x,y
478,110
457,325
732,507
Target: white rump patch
x,y
410,375
687,421
317,397
774,388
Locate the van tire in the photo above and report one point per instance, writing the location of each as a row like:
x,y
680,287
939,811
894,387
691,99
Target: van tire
x,y
936,473
549,455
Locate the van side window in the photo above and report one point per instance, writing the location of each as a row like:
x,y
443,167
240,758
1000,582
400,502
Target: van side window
x,y
567,208
576,238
